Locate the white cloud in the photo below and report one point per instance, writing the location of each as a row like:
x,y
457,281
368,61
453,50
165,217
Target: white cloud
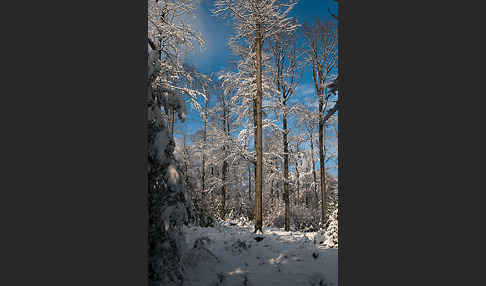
x,y
213,31
305,89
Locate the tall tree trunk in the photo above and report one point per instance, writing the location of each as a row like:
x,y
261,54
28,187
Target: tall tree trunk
x,y
278,188
223,191
283,93
185,157
323,168
286,172
225,165
203,151
258,135
249,182
271,194
314,167
172,120
249,173
203,173
307,195
298,179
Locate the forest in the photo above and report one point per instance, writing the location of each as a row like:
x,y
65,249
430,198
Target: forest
x,y
248,195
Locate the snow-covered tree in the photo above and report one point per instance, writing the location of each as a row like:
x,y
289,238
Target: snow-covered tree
x,y
331,234
166,203
285,75
321,52
254,22
168,37
173,38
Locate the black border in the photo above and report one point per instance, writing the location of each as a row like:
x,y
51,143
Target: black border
x,y
73,180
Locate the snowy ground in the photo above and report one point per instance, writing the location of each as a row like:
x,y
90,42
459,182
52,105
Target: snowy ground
x,y
229,255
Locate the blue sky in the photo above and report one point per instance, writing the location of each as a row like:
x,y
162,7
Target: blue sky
x,y
216,31
216,55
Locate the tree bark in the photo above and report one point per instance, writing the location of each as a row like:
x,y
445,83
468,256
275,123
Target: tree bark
x,y
223,191
185,157
322,166
225,164
278,188
271,194
258,131
286,173
298,179
249,182
172,120
203,149
314,167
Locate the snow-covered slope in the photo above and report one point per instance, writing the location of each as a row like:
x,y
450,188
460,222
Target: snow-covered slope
x,y
229,255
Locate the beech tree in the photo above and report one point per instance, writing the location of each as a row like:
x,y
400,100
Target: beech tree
x,y
285,74
254,22
223,111
321,54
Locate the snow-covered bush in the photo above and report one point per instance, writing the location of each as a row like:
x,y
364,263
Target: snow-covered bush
x,y
305,219
273,213
200,252
200,214
329,236
331,233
